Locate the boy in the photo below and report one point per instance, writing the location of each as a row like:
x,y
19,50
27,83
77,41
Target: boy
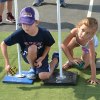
x,y
35,43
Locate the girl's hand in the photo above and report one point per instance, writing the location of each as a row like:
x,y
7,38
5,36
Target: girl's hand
x,y
76,61
93,81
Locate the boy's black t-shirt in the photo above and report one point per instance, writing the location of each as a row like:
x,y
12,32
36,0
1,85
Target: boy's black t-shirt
x,y
42,39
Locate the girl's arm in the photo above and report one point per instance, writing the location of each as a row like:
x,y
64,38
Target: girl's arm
x,y
68,45
92,62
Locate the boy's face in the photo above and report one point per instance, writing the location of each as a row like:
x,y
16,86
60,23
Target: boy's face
x,y
85,32
28,28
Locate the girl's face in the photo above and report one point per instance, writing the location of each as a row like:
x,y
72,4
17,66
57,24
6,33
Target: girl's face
x,y
85,33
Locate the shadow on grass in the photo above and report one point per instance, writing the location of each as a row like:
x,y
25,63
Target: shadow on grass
x,y
85,91
1,68
5,23
96,8
81,91
64,25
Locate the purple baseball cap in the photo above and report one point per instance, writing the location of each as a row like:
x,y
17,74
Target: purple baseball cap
x,y
27,16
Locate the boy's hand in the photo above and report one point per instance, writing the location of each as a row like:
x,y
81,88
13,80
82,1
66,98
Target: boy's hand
x,y
11,70
38,62
7,68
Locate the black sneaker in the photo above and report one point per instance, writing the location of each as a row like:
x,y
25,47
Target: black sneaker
x,y
10,18
0,19
55,55
63,4
39,3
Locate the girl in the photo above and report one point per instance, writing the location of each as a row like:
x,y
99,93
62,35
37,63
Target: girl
x,y
83,35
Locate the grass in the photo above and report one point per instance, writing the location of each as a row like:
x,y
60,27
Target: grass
x,y
37,91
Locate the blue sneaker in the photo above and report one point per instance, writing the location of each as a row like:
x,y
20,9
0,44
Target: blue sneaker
x,y
55,55
63,4
31,73
39,3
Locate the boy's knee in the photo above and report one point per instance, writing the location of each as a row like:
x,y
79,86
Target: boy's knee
x,y
32,49
44,75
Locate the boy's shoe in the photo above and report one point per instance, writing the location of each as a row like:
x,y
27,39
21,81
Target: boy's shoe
x,y
63,4
10,18
0,19
39,3
55,55
31,74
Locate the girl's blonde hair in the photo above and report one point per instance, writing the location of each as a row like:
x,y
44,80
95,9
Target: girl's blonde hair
x,y
89,22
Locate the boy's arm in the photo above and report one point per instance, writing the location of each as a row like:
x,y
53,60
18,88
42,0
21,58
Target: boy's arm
x,y
47,49
5,55
40,59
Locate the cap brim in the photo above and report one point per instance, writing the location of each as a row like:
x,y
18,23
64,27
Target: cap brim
x,y
26,21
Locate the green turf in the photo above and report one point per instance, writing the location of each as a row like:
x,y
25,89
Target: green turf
x,y
37,91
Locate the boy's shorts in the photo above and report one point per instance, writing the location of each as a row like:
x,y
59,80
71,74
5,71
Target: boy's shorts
x,y
1,1
43,68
